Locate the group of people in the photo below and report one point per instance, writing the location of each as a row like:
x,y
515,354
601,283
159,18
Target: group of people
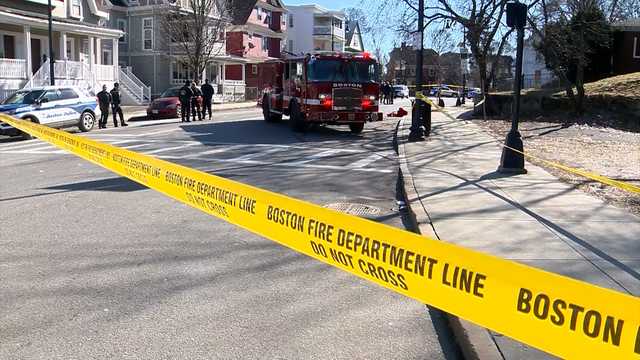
x,y
190,104
110,99
388,93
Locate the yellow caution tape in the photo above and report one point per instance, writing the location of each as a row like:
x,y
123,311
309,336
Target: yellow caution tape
x,y
557,314
587,174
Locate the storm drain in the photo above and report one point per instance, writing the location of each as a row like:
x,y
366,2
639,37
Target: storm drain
x,y
354,209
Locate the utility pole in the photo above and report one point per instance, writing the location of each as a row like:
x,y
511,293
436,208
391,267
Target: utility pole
x,y
51,60
417,131
513,161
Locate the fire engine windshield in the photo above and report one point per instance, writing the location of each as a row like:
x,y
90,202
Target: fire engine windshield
x,y
342,71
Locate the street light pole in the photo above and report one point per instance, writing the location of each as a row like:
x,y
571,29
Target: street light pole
x,y
512,160
51,60
417,131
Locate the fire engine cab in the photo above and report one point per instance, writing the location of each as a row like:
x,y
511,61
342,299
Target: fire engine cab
x,y
324,88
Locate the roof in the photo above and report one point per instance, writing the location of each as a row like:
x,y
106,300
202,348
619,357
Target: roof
x,y
319,10
241,10
627,25
351,25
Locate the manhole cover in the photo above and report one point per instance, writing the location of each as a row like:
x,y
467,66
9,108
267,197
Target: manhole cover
x,y
354,209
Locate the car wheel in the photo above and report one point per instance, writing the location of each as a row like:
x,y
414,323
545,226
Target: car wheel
x,y
356,128
266,112
87,121
296,119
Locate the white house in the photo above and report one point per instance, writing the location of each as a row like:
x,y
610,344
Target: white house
x,y
84,48
354,37
313,28
535,73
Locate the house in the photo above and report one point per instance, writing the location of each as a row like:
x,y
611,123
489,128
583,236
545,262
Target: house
x,y
255,37
314,28
626,46
85,49
148,53
402,67
354,37
535,74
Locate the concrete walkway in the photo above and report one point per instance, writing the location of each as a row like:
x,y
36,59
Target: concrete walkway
x,y
458,196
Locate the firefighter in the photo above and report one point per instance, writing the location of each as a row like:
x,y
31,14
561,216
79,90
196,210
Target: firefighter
x,y
185,101
207,96
115,105
195,104
104,100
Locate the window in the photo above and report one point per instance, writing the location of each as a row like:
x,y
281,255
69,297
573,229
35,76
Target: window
x,y
180,72
286,71
67,94
9,47
52,95
290,20
254,69
147,34
259,13
122,26
290,45
76,8
284,19
265,43
636,48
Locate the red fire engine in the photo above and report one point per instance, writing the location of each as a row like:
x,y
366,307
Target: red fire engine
x,y
324,88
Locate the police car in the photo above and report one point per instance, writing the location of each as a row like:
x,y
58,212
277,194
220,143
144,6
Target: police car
x,y
54,106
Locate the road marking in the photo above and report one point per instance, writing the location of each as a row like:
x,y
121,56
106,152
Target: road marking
x,y
366,161
255,155
157,151
20,145
197,155
324,154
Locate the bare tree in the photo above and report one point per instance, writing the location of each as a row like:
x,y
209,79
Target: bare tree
x,y
197,30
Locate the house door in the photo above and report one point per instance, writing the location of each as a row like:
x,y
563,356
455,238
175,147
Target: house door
x,y
9,46
36,51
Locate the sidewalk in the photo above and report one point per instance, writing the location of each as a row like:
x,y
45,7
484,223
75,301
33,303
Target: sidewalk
x,y
457,196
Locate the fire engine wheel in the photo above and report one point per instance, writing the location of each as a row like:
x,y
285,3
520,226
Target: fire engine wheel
x,y
266,112
356,128
296,119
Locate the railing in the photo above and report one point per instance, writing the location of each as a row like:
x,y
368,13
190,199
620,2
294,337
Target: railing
x,y
13,69
146,90
70,73
5,93
105,72
326,30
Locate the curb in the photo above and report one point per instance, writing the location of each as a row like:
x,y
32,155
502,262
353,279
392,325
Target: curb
x,y
475,342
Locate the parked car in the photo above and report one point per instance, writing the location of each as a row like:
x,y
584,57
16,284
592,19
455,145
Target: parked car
x,y
167,105
401,91
473,92
444,91
54,106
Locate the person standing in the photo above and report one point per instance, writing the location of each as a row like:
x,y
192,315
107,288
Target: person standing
x,y
104,100
185,101
207,96
115,105
195,102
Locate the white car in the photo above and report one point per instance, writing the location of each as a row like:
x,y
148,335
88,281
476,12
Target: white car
x,y
54,106
401,91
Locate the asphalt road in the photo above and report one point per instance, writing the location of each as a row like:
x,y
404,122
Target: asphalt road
x,y
93,265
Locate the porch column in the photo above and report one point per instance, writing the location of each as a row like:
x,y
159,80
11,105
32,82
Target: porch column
x,y
27,51
63,46
92,52
114,60
98,51
243,70
224,77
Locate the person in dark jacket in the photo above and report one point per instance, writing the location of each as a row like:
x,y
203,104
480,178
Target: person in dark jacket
x,y
207,96
115,105
185,101
104,100
195,102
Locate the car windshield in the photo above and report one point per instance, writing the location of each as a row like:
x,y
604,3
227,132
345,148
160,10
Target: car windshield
x,y
24,97
342,71
173,92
